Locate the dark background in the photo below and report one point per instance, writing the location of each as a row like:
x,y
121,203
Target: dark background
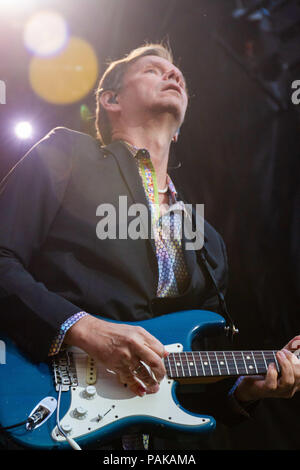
x,y
239,150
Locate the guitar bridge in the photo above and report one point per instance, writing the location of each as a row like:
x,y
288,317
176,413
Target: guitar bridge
x,y
64,371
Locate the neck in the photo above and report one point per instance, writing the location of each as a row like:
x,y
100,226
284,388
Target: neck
x,y
156,139
218,364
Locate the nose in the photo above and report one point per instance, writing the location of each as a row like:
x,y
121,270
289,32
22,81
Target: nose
x,y
175,74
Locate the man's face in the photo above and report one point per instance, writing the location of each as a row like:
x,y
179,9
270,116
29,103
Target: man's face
x,y
153,85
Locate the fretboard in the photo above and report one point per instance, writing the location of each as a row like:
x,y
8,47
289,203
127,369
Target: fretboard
x,y
218,363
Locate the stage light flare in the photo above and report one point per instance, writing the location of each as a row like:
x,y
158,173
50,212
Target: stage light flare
x,y
85,113
45,33
17,5
66,77
23,130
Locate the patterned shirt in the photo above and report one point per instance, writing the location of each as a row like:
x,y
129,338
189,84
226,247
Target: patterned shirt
x,y
167,229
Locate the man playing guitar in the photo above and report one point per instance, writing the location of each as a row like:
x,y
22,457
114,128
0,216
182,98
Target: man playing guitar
x,y
61,275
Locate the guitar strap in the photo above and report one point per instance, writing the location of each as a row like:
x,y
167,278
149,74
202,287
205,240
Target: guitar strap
x,y
208,263
203,258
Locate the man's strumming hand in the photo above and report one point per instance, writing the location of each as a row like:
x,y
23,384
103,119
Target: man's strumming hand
x,y
121,348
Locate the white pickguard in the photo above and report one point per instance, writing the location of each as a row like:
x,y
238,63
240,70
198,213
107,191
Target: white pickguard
x,y
113,402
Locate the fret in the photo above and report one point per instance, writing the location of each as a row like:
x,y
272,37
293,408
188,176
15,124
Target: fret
x,y
266,365
206,364
244,363
240,363
270,356
175,364
199,363
249,362
235,364
192,364
185,364
182,368
219,363
230,362
168,366
276,362
222,363
178,365
215,370
188,364
260,362
254,362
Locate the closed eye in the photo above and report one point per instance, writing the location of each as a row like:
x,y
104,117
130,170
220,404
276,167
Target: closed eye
x,y
151,70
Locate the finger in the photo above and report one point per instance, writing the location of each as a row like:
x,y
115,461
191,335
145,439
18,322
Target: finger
x,y
291,357
148,349
131,382
151,372
144,374
153,360
136,384
262,386
294,344
153,343
138,389
141,372
287,379
271,378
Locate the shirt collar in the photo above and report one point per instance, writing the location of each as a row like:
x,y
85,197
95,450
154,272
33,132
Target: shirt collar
x,y
144,153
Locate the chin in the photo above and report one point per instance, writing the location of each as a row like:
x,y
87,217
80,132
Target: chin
x,y
172,108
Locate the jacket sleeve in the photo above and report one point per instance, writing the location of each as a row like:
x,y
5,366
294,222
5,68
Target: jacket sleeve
x,y
30,197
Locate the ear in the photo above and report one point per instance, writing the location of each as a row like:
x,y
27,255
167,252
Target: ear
x,y
109,101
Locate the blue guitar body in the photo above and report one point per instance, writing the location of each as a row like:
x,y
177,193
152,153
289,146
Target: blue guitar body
x,y
112,409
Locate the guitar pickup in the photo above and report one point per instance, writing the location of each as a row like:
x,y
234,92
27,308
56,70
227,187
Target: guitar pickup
x,y
91,371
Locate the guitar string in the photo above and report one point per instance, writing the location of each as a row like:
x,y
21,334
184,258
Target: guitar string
x,y
259,361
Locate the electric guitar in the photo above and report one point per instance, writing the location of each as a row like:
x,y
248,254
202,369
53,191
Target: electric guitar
x,y
74,401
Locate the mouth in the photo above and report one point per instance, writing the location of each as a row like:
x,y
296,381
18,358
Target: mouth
x,y
172,87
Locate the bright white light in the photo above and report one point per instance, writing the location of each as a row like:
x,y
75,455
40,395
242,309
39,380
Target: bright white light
x,y
15,3
23,130
45,33
16,6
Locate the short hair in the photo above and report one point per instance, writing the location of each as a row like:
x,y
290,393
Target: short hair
x,y
112,80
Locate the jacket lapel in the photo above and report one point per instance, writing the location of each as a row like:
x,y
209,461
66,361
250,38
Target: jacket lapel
x,y
131,177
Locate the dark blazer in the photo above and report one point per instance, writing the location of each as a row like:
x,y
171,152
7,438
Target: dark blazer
x,y
52,263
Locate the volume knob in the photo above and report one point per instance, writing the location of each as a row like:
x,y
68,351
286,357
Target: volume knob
x,y
80,412
90,391
67,428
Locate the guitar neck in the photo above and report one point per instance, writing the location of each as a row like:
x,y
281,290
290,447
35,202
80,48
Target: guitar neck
x,y
219,363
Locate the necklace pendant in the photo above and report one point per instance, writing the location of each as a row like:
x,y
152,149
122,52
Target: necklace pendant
x,y
163,191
